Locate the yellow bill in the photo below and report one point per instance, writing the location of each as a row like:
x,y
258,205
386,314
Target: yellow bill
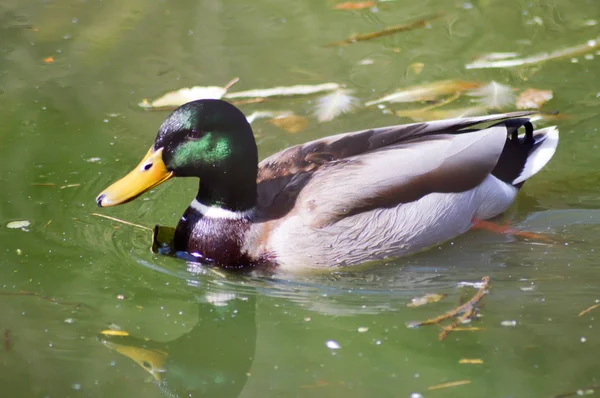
x,y
149,173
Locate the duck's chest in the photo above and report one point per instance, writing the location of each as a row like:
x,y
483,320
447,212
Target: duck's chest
x,y
212,240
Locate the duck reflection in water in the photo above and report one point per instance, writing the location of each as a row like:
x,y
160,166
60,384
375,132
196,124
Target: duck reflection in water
x,y
212,360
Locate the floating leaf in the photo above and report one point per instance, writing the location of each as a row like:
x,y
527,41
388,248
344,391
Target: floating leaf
x,y
111,332
284,91
351,5
533,98
267,115
49,60
421,23
474,361
332,105
290,123
179,97
174,99
508,60
494,95
426,299
18,224
427,92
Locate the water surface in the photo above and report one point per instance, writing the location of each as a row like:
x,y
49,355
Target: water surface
x,y
74,121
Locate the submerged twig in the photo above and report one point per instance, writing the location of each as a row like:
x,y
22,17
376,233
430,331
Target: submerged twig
x,y
588,309
123,221
421,23
462,313
450,384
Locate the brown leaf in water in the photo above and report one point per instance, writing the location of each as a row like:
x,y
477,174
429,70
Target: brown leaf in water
x,y
352,5
426,299
427,92
533,98
49,60
420,23
290,123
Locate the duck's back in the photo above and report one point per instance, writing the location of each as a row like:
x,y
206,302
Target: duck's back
x,y
390,191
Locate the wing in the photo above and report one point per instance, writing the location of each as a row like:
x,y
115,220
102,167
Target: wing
x,y
349,173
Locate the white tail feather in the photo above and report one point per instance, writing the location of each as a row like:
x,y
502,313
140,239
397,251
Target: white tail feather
x,y
541,155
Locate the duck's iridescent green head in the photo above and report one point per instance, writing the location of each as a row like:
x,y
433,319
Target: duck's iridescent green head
x,y
209,139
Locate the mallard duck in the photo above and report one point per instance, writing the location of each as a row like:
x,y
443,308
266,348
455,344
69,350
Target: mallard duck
x,y
340,200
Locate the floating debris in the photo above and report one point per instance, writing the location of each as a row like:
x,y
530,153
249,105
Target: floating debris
x,y
426,299
469,361
22,224
284,91
449,384
363,329
462,313
333,345
509,323
494,95
508,60
427,92
588,309
123,222
70,186
332,105
533,98
421,23
351,5
290,123
113,332
173,99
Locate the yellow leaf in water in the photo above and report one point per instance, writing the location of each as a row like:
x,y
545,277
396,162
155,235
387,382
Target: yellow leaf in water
x,y
290,123
533,98
426,299
475,361
111,332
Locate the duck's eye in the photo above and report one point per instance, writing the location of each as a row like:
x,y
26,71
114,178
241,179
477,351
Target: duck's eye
x,y
147,166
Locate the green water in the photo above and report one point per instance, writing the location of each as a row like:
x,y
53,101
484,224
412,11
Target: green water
x,y
74,121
